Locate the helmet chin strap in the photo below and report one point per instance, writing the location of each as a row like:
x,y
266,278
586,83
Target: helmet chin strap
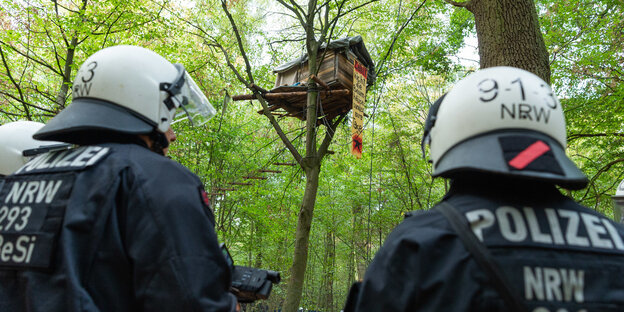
x,y
159,142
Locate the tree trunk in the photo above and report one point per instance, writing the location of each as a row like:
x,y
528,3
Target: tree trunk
x,y
509,35
302,237
258,245
326,297
69,61
351,263
61,97
311,164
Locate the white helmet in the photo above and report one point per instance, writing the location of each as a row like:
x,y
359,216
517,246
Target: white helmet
x,y
126,89
501,120
17,144
618,203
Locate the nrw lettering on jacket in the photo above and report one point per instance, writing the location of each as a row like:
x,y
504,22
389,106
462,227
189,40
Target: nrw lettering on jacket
x,y
554,284
33,192
518,225
80,157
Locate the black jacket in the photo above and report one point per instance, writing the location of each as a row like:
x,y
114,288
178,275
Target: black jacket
x,y
113,227
556,254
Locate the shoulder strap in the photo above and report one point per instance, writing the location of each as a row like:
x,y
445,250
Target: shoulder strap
x,y
482,256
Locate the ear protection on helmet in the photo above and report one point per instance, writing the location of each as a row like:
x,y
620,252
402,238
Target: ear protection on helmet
x,y
429,123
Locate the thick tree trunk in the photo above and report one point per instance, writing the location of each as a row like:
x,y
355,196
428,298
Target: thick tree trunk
x,y
311,164
509,35
302,238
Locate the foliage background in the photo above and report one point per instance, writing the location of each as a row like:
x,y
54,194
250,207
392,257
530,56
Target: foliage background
x,y
42,43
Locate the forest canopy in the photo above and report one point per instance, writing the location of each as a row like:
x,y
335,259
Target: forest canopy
x,y
256,185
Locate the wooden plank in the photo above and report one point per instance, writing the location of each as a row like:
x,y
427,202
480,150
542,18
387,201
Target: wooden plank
x,y
270,171
288,89
327,74
346,81
224,189
346,65
287,78
258,88
284,164
336,64
286,95
342,107
301,73
319,81
332,102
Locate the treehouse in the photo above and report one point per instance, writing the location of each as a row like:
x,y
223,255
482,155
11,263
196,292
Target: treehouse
x,y
336,60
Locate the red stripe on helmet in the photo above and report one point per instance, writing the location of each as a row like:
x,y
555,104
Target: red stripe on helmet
x,y
530,154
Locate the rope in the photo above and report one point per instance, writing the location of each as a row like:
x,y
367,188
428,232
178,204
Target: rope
x,y
370,184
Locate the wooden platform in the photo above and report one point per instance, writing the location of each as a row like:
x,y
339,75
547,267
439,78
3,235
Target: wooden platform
x,y
335,79
333,102
291,101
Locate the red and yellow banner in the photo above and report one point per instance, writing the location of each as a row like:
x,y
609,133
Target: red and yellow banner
x,y
359,99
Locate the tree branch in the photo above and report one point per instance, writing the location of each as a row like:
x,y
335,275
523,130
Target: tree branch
x,y
230,65
575,136
332,23
286,40
124,29
277,127
355,8
324,30
25,104
32,58
65,8
56,55
396,36
250,85
17,86
61,97
600,172
329,136
295,8
459,4
239,41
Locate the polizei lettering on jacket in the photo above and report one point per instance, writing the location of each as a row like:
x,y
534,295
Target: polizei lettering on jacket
x,y
72,159
31,213
558,227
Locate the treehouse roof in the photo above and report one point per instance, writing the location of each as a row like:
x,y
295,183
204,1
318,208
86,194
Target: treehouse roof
x,y
353,44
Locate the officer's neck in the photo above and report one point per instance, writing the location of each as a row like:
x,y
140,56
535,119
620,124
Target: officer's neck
x,y
482,182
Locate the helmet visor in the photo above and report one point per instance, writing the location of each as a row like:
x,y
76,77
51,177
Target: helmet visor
x,y
192,104
32,152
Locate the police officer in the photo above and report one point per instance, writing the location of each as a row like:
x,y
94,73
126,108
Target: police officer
x,y
503,238
16,140
113,225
